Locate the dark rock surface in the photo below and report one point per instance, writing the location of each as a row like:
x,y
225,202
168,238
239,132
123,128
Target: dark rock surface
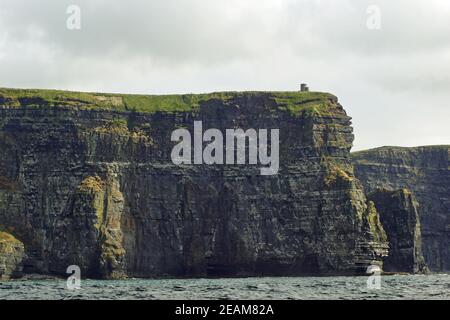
x,y
400,219
425,171
97,188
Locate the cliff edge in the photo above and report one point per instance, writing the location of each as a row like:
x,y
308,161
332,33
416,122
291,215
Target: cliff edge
x,y
87,179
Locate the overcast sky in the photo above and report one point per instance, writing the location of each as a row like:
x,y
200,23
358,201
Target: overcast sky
x,y
394,81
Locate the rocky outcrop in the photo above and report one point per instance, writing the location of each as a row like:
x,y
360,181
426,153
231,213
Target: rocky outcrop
x,y
11,256
400,219
88,180
425,171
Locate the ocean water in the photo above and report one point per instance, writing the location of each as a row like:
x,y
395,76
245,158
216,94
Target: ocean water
x,y
392,287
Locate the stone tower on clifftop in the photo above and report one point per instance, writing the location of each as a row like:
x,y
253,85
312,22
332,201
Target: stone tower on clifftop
x,y
304,87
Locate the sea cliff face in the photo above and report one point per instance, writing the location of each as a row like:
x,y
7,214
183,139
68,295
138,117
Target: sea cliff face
x,y
87,180
399,216
425,171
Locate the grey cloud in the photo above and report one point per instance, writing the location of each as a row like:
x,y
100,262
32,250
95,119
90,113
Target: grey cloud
x,y
393,82
177,31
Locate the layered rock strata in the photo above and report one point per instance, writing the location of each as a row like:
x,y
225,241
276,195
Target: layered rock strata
x,y
87,180
399,216
425,171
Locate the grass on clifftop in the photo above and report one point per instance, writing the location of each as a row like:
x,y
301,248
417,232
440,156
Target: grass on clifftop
x,y
315,103
292,101
363,153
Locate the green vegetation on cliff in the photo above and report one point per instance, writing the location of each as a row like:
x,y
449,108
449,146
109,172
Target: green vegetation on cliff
x,y
91,184
313,103
293,101
394,149
6,237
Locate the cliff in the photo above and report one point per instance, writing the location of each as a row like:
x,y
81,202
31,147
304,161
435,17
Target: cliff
x,y
399,216
86,179
425,171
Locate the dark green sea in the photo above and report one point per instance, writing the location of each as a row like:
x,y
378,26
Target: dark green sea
x,y
392,287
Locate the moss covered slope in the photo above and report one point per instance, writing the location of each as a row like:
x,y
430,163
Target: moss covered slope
x,y
293,101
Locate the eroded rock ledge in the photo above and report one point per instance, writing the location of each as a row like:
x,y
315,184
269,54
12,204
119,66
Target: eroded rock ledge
x,y
399,216
425,171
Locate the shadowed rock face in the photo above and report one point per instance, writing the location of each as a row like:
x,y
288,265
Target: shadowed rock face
x,y
96,188
400,219
424,171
